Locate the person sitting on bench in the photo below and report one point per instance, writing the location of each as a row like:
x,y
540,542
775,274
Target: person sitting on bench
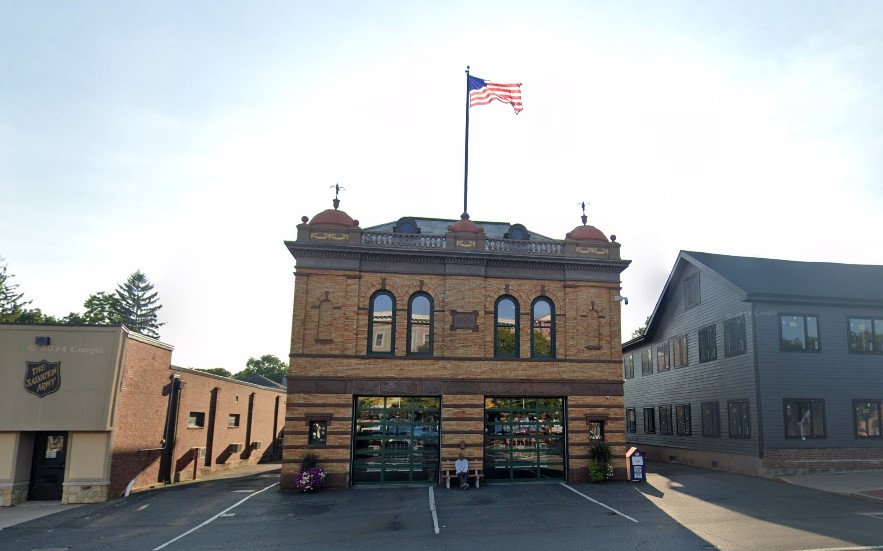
x,y
461,465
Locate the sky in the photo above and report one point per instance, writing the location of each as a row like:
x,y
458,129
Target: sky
x,y
187,139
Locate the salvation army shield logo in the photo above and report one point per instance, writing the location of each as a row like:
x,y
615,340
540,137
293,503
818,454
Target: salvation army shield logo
x,y
42,378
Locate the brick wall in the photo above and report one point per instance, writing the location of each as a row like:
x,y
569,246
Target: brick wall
x,y
141,416
820,460
587,351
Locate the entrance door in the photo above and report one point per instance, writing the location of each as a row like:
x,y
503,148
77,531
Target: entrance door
x,y
396,440
524,438
47,469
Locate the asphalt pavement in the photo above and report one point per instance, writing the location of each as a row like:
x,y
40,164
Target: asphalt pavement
x,y
866,485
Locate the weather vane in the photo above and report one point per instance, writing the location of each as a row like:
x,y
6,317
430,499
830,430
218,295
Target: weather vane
x,y
584,217
337,189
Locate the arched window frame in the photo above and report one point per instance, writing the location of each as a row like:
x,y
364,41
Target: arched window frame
x,y
414,297
533,327
497,352
392,332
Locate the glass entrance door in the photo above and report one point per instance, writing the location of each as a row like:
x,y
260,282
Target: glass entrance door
x,y
524,438
47,468
396,439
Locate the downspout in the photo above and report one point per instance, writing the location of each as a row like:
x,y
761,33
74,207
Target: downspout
x,y
172,427
757,393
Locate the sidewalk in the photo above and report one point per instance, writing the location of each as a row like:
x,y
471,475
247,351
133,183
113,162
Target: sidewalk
x,y
30,510
867,485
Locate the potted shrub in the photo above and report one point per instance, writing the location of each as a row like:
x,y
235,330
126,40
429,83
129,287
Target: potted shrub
x,y
600,469
311,477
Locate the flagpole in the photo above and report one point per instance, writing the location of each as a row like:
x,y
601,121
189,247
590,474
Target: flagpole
x,y
466,156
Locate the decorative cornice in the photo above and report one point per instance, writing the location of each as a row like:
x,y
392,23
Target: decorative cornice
x,y
447,256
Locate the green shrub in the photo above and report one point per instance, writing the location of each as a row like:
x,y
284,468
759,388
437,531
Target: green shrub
x,y
600,453
308,461
600,473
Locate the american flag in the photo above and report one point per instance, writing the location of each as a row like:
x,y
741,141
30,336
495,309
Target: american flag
x,y
482,92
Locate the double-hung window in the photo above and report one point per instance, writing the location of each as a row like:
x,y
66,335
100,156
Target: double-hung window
x,y
804,418
664,419
542,328
628,366
868,414
734,336
707,344
420,325
506,328
381,323
646,362
663,357
631,422
683,421
691,291
866,335
679,351
711,420
799,333
739,419
649,420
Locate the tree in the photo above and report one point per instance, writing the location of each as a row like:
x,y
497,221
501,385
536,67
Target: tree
x,y
101,309
216,371
640,331
136,306
11,303
268,365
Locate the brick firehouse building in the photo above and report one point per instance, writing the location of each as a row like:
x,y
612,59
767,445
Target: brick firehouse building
x,y
416,339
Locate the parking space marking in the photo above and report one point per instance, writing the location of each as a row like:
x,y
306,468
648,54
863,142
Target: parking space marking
x,y
595,501
209,521
432,508
868,548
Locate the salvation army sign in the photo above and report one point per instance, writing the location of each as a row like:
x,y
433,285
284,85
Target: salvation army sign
x,y
42,378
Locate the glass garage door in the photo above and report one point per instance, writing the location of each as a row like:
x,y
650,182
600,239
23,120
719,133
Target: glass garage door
x,y
524,438
396,440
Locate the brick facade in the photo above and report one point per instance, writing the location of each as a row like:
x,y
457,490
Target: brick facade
x,y
341,267
139,451
120,416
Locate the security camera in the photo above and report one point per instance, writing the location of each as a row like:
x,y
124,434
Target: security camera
x,y
619,298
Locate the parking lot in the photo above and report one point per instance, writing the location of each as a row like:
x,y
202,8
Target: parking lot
x,y
677,508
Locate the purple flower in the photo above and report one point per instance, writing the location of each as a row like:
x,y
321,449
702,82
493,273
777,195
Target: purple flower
x,y
311,479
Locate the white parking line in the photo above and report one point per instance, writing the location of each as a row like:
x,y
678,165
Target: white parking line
x,y
597,502
222,513
871,548
432,508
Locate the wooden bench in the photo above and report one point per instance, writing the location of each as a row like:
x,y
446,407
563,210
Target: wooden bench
x,y
449,471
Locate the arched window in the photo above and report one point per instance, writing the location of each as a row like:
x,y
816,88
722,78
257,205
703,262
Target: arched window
x,y
506,328
542,326
382,323
420,325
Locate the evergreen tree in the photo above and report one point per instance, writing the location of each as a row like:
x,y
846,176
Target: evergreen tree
x,y
136,306
11,304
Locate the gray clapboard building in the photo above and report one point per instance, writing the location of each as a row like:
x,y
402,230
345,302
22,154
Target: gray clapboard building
x,y
760,366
